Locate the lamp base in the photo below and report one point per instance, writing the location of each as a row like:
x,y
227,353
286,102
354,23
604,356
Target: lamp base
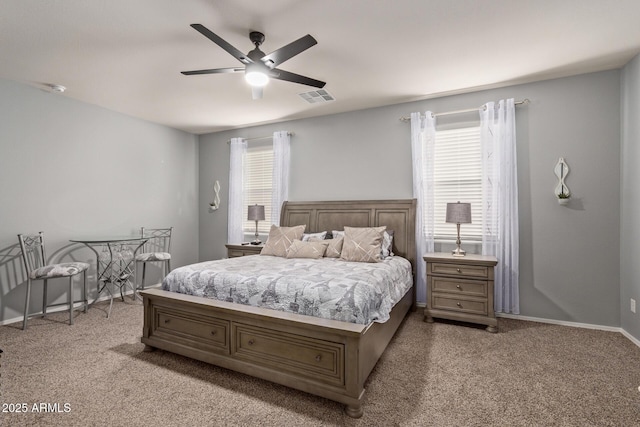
x,y
458,252
256,241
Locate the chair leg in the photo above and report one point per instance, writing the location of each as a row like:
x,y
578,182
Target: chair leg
x,y
44,298
70,300
26,305
84,291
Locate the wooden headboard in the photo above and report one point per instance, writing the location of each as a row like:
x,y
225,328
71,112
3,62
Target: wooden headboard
x,y
397,215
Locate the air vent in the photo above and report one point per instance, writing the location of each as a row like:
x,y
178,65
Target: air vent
x,y
317,96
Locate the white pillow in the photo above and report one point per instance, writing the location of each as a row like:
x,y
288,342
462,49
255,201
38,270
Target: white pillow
x,y
313,237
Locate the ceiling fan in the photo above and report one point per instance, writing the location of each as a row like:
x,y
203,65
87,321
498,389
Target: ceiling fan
x,y
259,67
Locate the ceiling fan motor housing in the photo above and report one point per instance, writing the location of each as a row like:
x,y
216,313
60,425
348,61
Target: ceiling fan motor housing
x,y
256,37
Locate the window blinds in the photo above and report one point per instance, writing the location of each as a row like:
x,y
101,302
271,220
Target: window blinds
x,y
458,177
258,184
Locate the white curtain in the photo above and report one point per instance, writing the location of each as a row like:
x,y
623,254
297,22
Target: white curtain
x,y
500,200
423,134
281,162
238,148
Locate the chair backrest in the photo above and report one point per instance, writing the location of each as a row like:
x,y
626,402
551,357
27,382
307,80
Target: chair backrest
x,y
33,253
159,239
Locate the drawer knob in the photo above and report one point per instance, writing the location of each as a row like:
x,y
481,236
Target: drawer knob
x,y
458,270
458,286
251,342
458,304
166,320
213,332
318,358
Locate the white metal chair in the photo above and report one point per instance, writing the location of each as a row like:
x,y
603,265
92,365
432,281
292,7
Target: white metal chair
x,y
36,267
156,249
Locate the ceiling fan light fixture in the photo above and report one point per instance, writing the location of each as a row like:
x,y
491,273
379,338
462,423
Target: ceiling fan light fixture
x,y
255,76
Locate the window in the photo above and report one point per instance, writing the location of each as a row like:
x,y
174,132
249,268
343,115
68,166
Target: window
x,y
258,184
457,177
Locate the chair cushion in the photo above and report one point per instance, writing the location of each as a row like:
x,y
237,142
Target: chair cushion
x,y
59,270
153,256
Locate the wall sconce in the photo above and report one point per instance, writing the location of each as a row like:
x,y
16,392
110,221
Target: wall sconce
x,y
562,192
215,205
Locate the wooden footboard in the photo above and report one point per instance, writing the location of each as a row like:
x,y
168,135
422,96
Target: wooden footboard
x,y
323,357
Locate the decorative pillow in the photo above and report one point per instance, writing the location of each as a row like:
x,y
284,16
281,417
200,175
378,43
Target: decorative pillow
x,y
362,244
280,238
300,249
334,247
336,233
387,244
314,237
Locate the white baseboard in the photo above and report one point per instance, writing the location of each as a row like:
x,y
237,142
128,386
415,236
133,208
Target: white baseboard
x,y
65,307
565,323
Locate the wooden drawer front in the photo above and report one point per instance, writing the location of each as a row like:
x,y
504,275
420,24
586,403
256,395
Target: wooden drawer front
x,y
209,331
235,253
321,360
460,270
446,302
463,287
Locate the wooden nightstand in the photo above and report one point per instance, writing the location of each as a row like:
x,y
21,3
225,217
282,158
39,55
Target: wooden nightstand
x,y
461,288
242,250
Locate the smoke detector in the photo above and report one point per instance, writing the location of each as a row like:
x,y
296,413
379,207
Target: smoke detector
x,y
58,88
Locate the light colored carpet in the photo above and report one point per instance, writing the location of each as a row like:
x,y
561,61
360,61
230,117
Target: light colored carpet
x,y
440,374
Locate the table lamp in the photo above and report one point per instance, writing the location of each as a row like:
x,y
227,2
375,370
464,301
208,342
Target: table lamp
x,y
458,213
256,213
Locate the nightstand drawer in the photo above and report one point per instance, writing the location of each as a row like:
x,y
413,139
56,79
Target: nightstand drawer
x,y
242,250
445,302
460,270
463,287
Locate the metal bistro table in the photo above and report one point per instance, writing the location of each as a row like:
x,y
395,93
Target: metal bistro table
x,y
115,263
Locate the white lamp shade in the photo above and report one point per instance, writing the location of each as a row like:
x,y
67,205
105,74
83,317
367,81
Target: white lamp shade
x,y
458,213
255,213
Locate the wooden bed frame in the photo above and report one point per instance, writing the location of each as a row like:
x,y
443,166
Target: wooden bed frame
x,y
323,357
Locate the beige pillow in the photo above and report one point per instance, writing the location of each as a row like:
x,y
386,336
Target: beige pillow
x,y
334,247
362,244
280,238
300,249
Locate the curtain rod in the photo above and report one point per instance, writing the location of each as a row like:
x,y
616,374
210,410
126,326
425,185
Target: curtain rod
x,y
468,110
260,137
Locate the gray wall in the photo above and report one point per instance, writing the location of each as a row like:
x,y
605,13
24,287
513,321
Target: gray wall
x,y
569,256
630,207
75,170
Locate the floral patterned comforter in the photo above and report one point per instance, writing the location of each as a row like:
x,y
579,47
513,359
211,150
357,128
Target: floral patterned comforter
x,y
330,288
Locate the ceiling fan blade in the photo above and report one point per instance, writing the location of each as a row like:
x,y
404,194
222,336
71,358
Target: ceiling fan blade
x,y
222,43
213,71
278,56
256,92
295,78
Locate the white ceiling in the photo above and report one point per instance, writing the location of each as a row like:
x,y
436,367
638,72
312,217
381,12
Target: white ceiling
x,y
126,55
